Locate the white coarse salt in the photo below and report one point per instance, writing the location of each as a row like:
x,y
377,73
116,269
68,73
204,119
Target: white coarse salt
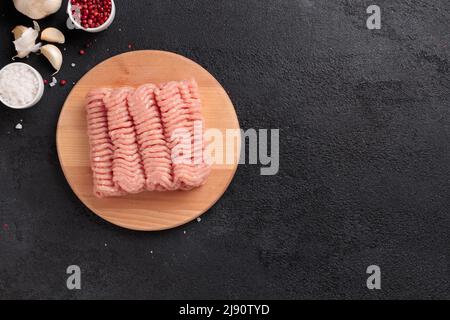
x,y
18,85
19,126
54,82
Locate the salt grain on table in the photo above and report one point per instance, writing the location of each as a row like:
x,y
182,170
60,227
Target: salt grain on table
x,y
19,126
54,82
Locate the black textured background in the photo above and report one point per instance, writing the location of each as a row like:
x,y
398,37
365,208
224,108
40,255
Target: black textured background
x,y
364,179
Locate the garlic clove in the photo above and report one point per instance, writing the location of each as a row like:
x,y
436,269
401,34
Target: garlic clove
x,y
53,35
54,56
25,40
18,31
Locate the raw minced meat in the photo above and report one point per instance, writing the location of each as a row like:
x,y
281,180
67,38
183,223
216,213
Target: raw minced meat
x,y
133,138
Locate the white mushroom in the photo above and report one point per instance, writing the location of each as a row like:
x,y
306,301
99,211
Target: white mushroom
x,y
37,9
53,35
54,56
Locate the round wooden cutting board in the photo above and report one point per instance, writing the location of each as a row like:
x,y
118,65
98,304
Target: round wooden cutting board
x,y
147,211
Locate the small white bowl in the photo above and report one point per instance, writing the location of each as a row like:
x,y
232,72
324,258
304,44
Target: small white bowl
x,y
93,30
39,93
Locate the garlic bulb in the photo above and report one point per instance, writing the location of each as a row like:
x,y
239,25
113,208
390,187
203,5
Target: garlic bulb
x,y
54,56
37,9
53,35
25,40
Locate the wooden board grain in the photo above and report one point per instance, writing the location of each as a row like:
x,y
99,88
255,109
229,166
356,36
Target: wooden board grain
x,y
148,211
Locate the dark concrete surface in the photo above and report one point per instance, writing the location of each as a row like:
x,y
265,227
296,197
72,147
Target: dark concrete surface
x,y
364,178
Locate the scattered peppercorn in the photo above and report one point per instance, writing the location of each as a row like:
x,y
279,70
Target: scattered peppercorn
x,y
63,83
82,52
